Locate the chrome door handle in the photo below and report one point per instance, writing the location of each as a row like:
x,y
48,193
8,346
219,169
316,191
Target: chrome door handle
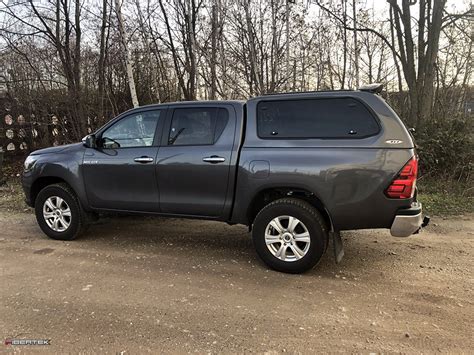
x,y
213,159
143,160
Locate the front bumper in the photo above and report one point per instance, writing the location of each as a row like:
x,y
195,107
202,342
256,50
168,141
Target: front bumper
x,y
409,221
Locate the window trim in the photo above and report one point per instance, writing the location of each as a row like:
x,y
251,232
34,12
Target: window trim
x,y
369,109
158,128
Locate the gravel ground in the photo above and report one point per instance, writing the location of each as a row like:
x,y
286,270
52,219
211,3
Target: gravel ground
x,y
134,285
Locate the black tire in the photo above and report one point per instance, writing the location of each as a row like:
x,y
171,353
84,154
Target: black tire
x,y
77,223
311,219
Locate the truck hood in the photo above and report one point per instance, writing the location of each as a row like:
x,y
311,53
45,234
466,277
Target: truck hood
x,y
58,149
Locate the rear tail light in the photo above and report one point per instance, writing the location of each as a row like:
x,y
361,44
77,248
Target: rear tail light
x,y
403,186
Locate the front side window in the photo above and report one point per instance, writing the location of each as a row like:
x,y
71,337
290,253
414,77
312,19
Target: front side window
x,y
197,126
315,118
136,130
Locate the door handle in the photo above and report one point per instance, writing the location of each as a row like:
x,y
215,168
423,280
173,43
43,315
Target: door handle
x,y
143,160
213,159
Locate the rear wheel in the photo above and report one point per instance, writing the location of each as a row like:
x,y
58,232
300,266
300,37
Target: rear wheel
x,y
59,213
290,235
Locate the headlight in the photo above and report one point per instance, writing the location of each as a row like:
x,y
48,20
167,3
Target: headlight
x,y
29,163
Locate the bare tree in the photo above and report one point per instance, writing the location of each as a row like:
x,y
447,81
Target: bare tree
x,y
128,58
356,44
105,18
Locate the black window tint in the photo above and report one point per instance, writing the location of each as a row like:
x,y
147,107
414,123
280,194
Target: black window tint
x,y
221,123
315,118
136,130
197,126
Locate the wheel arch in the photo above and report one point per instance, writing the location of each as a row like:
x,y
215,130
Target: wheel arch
x,y
270,194
44,181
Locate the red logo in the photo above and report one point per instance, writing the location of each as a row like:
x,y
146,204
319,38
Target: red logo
x,y
8,342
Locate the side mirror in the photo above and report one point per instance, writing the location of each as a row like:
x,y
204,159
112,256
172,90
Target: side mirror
x,y
89,141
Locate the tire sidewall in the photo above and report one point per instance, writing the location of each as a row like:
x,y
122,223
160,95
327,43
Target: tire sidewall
x,y
317,234
75,224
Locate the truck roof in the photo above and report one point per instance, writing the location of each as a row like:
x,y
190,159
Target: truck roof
x,y
197,102
374,88
371,88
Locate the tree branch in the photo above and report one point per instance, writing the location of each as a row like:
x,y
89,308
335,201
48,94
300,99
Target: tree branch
x,y
370,30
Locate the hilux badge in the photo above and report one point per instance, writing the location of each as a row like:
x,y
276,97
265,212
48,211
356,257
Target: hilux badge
x,y
393,141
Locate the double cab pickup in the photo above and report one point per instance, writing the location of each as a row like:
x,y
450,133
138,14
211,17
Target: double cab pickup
x,y
296,168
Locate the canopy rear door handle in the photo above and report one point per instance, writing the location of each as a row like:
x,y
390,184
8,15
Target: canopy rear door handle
x,y
213,159
143,160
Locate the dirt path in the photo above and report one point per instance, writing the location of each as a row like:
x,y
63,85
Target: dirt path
x,y
143,284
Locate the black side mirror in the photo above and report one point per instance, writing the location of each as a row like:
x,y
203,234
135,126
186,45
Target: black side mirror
x,y
89,141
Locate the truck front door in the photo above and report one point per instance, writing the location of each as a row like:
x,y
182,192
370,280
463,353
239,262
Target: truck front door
x,y
120,173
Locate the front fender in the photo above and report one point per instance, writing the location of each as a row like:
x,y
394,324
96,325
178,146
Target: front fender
x,y
65,167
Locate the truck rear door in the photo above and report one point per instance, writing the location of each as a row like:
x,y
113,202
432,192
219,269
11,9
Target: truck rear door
x,y
194,162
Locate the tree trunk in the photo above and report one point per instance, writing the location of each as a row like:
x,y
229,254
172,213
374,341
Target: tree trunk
x,y
394,54
253,54
128,57
190,22
344,41
77,71
356,46
101,70
428,73
213,64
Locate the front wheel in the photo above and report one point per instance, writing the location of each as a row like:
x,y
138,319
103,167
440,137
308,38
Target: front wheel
x,y
290,235
59,213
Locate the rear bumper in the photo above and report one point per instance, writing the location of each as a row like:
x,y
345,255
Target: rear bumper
x,y
409,221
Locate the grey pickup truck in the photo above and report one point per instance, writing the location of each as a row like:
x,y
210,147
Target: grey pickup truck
x,y
295,168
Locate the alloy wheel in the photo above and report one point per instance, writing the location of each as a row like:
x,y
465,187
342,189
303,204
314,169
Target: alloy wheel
x,y
287,238
57,214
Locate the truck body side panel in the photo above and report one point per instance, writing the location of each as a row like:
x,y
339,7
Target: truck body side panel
x,y
349,182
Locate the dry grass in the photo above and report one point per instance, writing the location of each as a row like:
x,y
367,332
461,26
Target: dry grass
x,y
12,197
441,197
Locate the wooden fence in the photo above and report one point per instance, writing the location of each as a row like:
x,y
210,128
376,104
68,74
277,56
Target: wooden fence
x,y
22,131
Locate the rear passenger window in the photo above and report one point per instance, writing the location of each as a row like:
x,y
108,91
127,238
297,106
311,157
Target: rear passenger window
x,y
197,126
315,118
